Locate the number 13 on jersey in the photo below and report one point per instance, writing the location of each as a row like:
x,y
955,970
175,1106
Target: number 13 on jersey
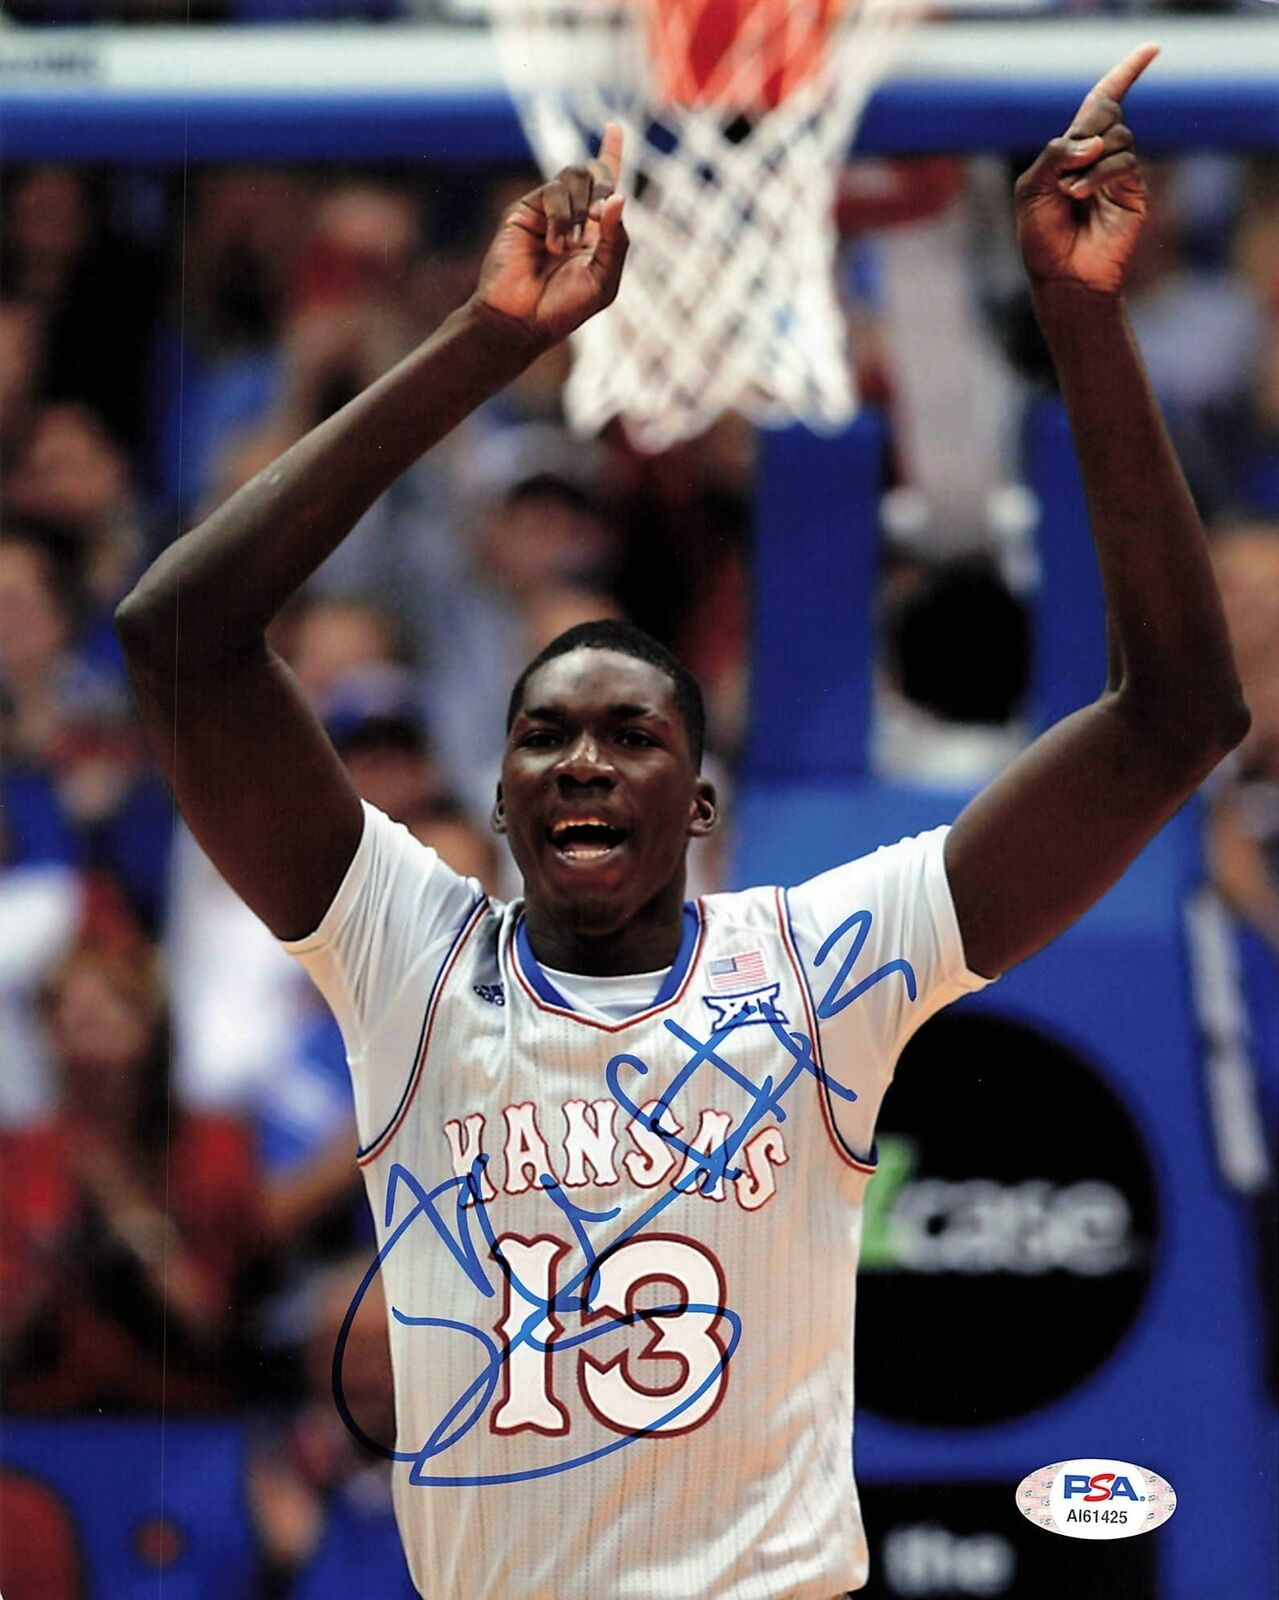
x,y
670,1284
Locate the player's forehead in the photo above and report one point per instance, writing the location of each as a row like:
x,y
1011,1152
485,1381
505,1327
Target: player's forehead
x,y
593,682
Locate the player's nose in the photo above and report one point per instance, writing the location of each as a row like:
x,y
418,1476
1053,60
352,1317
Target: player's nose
x,y
584,761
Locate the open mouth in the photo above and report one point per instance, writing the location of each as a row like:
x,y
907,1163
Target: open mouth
x,y
585,839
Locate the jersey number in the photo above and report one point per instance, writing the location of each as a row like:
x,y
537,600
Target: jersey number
x,y
670,1284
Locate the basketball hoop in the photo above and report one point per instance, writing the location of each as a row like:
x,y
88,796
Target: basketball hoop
x,y
737,116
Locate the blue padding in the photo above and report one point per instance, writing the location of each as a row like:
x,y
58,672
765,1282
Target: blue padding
x,y
911,115
121,1481
786,832
1069,656
904,117
461,130
1185,1393
814,575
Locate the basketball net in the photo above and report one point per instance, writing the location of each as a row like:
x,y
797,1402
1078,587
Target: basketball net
x,y
737,116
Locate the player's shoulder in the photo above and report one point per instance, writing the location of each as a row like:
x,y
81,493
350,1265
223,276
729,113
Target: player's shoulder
x,y
742,918
395,888
730,906
886,864
881,885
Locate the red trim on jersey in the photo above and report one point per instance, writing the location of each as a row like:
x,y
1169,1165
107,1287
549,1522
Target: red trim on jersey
x,y
823,1095
433,1005
513,961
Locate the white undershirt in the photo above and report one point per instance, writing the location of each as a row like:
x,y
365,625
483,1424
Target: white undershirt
x,y
615,997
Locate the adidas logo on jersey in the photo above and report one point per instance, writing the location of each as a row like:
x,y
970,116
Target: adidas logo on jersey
x,y
590,1149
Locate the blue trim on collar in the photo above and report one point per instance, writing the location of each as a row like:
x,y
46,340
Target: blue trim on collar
x,y
679,967
542,985
546,990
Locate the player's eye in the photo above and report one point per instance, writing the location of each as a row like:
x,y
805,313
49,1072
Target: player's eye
x,y
538,739
636,737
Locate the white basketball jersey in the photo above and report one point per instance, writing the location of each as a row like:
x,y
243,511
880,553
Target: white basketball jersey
x,y
620,1257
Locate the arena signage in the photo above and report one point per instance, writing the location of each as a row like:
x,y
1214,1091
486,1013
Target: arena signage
x,y
1013,1215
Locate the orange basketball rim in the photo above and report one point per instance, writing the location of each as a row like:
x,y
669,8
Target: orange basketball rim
x,y
744,55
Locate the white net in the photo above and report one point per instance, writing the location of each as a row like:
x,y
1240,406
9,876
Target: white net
x,y
734,136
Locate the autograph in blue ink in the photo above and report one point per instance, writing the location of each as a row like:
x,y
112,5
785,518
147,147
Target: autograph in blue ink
x,y
464,1198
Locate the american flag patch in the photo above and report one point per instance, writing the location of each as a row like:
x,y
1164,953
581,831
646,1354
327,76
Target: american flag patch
x,y
738,972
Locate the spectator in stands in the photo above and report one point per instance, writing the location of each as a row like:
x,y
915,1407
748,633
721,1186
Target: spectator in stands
x,y
1257,258
322,1502
553,609
48,229
94,290
374,718
1243,823
1244,834
40,911
326,638
76,786
220,365
39,672
68,476
1201,328
20,335
129,1224
321,316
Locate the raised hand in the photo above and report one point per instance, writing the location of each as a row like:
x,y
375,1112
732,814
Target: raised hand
x,y
557,257
1081,205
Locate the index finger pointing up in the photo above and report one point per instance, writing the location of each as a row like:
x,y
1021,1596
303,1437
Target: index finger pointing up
x,y
1115,84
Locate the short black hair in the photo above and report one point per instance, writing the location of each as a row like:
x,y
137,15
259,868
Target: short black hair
x,y
627,640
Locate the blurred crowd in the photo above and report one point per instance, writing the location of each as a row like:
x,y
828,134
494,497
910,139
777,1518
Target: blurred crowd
x,y
183,1219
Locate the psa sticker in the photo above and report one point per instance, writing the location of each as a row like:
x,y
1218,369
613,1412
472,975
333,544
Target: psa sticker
x,y
1096,1499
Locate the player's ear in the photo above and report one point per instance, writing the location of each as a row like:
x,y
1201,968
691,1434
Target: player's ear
x,y
497,821
704,813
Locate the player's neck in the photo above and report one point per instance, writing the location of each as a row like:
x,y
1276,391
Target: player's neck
x,y
596,943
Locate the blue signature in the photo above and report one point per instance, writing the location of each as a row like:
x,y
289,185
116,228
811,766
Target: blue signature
x,y
462,1197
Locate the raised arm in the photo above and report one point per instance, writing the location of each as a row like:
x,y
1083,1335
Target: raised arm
x,y
1033,851
254,775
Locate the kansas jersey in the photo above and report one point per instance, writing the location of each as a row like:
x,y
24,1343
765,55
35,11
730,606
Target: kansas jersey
x,y
619,1256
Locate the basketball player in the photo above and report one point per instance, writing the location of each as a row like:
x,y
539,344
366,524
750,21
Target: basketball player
x,y
617,1145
